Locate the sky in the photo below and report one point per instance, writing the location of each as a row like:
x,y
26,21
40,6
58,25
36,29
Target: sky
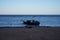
x,y
29,6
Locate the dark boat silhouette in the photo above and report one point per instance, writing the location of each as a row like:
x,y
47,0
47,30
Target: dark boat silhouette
x,y
30,23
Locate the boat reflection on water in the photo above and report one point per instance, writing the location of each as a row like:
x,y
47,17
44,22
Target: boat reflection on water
x,y
31,23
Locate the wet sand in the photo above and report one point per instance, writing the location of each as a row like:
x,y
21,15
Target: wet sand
x,y
29,33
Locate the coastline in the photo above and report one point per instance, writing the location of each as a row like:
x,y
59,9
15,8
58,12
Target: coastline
x,y
28,27
16,33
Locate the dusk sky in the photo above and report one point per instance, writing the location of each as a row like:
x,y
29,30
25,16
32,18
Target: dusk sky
x,y
29,6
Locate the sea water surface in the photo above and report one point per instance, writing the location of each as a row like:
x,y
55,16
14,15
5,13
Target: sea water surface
x,y
17,20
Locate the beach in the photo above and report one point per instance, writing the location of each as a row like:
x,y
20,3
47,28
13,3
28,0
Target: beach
x,y
29,33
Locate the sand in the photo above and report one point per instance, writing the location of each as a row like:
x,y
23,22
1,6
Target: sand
x,y
29,33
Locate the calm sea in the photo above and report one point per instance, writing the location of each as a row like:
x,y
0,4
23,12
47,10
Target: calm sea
x,y
17,20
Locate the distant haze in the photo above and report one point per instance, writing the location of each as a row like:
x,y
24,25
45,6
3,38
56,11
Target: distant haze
x,y
29,6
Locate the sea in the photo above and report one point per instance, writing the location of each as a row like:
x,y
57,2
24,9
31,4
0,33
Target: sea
x,y
17,20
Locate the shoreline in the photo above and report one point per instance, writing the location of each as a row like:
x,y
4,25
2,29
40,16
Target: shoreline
x,y
14,33
28,27
30,34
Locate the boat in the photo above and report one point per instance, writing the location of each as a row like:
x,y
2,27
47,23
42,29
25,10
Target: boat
x,y
31,23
